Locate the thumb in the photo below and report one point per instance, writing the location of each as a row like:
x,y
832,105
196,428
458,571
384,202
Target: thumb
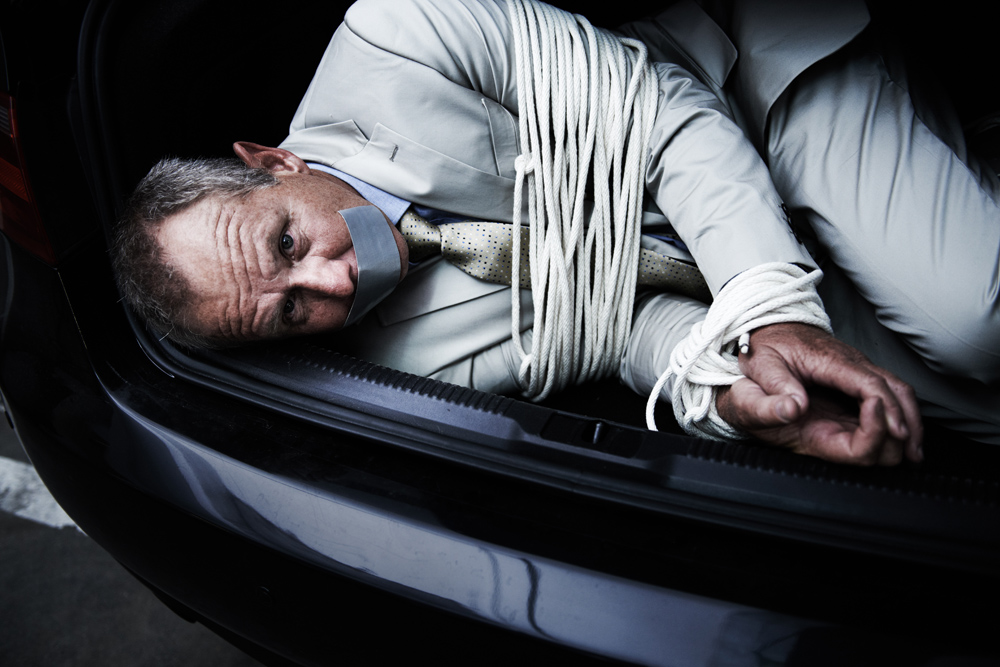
x,y
783,398
746,405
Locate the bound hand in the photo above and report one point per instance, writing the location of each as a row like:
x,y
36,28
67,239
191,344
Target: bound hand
x,y
808,391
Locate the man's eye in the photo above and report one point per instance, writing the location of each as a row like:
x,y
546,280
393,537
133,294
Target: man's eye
x,y
289,307
287,243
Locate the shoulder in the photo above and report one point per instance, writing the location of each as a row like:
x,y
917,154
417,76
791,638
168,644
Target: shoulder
x,y
465,41
448,20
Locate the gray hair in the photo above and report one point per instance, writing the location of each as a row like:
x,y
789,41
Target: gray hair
x,y
155,290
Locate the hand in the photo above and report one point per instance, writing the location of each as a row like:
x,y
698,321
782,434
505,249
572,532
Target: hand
x,y
772,402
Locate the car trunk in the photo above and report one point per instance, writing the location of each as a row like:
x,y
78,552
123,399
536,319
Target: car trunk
x,y
189,77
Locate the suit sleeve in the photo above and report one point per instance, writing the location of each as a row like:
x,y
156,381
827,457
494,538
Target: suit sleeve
x,y
712,185
703,173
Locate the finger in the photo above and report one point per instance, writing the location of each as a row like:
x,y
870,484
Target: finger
x,y
835,442
899,406
872,442
749,407
875,386
774,376
863,381
892,452
914,445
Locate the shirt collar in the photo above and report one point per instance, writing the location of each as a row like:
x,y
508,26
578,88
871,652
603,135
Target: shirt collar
x,y
391,205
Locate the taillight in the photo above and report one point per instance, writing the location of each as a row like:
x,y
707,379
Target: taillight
x,y
19,216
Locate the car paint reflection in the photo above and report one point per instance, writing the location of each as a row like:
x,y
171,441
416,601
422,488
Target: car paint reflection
x,y
406,550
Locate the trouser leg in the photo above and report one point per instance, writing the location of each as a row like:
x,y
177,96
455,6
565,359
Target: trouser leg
x,y
914,227
964,405
910,222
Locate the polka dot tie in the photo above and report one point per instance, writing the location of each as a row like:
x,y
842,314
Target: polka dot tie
x,y
483,250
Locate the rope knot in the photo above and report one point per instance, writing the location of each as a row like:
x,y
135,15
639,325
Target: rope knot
x,y
524,163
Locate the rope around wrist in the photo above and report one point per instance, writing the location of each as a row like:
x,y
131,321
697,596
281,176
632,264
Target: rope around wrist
x,y
706,359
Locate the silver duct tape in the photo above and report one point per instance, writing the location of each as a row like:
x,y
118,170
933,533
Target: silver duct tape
x,y
377,255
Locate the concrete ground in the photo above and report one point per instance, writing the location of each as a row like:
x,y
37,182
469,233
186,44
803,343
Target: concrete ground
x,y
64,602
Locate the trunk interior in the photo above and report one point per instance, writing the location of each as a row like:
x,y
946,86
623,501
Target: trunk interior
x,y
189,77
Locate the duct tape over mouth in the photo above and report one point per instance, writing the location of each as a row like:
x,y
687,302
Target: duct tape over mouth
x,y
377,255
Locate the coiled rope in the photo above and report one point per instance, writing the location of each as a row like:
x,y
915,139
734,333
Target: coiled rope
x,y
586,104
706,359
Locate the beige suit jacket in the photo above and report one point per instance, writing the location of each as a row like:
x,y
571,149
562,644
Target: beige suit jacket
x,y
418,97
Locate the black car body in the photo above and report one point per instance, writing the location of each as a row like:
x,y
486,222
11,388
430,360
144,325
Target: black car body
x,y
312,507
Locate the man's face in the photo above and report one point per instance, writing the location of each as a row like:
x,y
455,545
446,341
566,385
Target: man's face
x,y
277,263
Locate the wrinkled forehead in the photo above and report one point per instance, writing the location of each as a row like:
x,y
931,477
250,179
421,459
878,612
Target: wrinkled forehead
x,y
191,236
202,244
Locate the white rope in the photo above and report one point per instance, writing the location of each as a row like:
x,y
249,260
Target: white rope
x,y
586,104
706,359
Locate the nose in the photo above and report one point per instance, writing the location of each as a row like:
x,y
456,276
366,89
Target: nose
x,y
329,277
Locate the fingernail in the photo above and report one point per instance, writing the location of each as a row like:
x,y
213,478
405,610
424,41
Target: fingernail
x,y
785,410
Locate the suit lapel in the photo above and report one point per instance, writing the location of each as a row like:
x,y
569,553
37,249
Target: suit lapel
x,y
431,286
408,169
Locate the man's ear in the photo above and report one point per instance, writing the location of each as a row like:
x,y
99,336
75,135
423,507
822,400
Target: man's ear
x,y
273,159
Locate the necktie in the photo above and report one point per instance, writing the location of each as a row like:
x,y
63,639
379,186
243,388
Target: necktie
x,y
483,250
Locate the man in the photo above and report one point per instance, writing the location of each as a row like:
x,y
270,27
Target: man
x,y
431,120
